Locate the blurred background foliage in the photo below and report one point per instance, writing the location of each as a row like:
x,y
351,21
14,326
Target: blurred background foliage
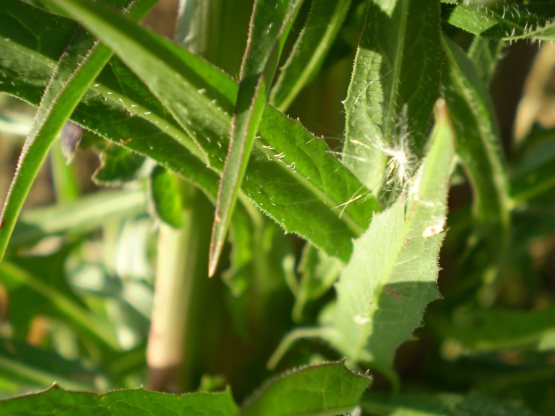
x,y
76,291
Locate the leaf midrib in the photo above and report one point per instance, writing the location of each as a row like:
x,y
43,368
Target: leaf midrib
x,y
322,196
389,269
397,65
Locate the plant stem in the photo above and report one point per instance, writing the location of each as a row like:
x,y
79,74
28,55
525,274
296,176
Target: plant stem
x,y
181,268
182,290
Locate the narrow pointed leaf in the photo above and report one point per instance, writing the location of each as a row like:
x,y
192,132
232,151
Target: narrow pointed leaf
x,y
478,142
391,277
320,29
81,62
393,88
293,177
268,30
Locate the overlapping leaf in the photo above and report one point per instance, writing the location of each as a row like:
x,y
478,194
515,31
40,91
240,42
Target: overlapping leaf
x,y
83,215
485,53
293,178
269,27
27,365
391,277
319,272
63,305
394,85
534,175
330,388
166,197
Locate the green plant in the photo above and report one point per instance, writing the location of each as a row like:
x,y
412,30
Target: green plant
x,y
333,245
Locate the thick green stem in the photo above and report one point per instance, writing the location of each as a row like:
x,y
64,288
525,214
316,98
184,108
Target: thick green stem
x,y
181,269
181,324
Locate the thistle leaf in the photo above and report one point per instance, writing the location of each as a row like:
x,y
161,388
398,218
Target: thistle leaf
x,y
268,31
509,22
393,88
391,277
293,177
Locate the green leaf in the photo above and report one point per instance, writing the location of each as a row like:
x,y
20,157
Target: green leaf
x,y
165,194
138,402
478,143
84,215
215,29
91,325
82,60
534,175
118,166
260,258
293,178
118,107
509,22
269,27
393,88
440,405
319,272
326,389
493,330
307,55
243,252
31,366
485,54
391,277
257,255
